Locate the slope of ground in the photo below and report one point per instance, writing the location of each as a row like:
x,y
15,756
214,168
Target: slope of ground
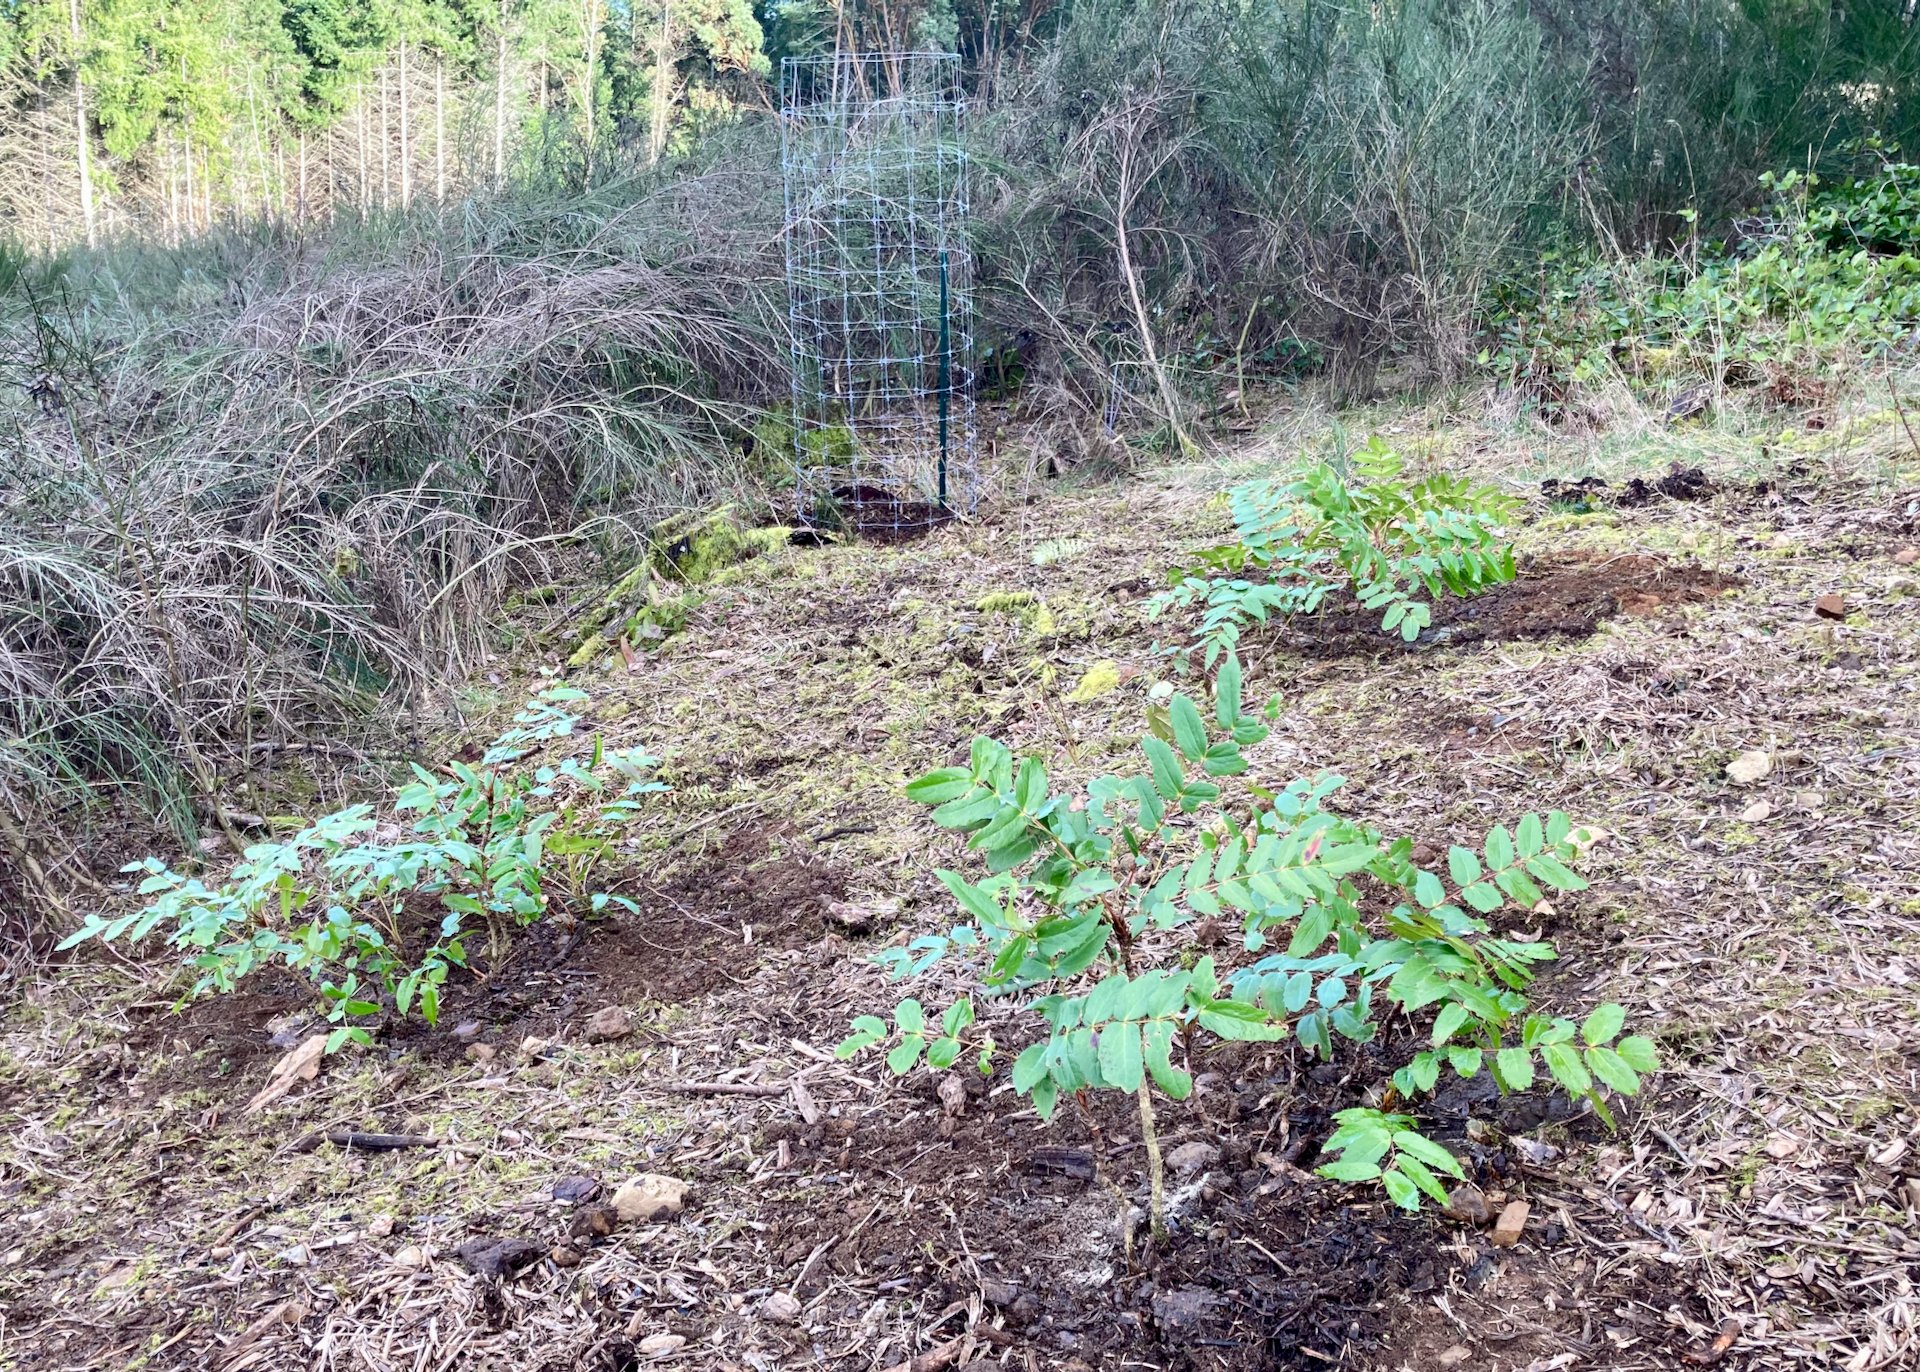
x,y
1768,934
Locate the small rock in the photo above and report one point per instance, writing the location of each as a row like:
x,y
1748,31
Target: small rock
x,y
497,1257
1749,767
1532,1150
576,1190
533,1046
650,1197
1511,1224
1756,812
1906,557
593,1222
661,1345
220,1252
565,1255
860,919
467,1029
411,1256
608,1023
781,1308
1192,1157
1466,1204
481,1052
1454,1356
953,1093
380,1226
1830,607
999,1294
1182,1309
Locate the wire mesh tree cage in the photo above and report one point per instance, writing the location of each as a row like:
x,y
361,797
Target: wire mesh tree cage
x,y
879,283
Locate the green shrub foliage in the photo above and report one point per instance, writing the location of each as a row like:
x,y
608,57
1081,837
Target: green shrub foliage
x,y
1826,274
1086,890
1388,540
499,840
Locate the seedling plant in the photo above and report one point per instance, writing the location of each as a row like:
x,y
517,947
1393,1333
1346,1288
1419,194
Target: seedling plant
x,y
1085,891
500,841
1395,544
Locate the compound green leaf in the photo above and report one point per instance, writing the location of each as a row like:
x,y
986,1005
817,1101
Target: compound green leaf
x,y
1499,849
1638,1053
1351,1169
1158,1038
1189,730
1429,1152
1226,692
1603,1024
1402,1190
1612,1069
939,787
1515,1068
1422,1176
1447,1023
1563,1061
1120,1055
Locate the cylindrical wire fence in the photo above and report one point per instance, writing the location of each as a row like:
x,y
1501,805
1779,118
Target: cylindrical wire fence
x,y
880,283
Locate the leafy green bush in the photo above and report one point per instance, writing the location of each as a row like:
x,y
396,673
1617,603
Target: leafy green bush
x,y
1086,889
1830,270
500,841
1387,539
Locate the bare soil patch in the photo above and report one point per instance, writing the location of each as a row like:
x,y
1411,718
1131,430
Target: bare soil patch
x,y
1557,596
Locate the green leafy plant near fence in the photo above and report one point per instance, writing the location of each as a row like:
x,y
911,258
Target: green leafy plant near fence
x,y
341,900
1825,272
1370,530
1086,891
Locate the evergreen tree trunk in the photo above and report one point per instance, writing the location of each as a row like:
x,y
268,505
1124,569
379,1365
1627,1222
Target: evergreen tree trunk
x,y
440,129
661,96
386,142
406,131
500,104
81,137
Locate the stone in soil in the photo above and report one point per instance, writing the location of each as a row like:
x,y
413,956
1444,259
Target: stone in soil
x,y
575,1190
1466,1204
1192,1157
489,1257
781,1308
1511,1225
649,1197
608,1023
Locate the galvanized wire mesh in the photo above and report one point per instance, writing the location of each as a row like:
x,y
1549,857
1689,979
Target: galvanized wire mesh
x,y
879,281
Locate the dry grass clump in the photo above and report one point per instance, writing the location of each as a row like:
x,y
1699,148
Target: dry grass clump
x,y
250,488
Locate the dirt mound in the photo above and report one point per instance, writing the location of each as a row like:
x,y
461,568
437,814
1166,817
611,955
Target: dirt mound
x,y
707,928
704,929
1555,597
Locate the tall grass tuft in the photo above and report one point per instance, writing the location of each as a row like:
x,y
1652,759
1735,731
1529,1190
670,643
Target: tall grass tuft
x,y
250,487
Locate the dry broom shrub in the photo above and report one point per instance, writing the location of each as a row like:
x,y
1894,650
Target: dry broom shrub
x,y
250,488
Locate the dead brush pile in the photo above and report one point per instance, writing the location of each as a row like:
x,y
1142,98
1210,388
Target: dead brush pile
x,y
250,488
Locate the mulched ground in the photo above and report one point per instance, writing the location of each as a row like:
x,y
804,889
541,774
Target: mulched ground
x,y
1768,1182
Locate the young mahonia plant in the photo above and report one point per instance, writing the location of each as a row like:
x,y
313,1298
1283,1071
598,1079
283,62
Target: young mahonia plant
x,y
1385,538
1084,888
500,840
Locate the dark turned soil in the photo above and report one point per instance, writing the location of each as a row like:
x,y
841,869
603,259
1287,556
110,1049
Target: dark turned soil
x,y
759,891
1560,597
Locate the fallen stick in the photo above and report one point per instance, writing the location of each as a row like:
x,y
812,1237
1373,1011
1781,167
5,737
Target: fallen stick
x,y
934,1359
727,1088
372,1143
